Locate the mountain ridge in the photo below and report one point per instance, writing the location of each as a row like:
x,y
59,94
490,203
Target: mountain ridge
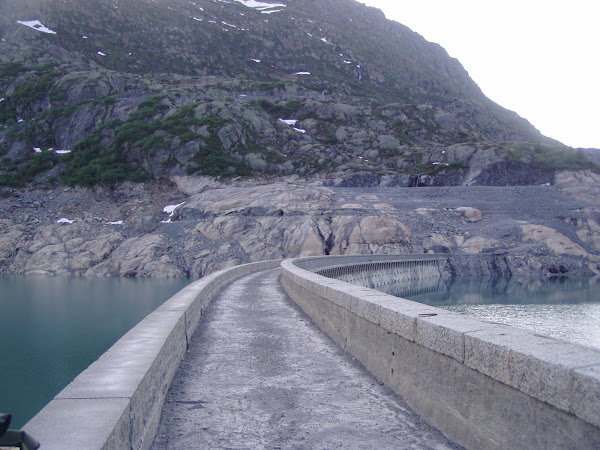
x,y
367,95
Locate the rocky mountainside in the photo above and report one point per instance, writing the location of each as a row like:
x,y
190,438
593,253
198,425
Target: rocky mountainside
x,y
192,226
177,137
101,91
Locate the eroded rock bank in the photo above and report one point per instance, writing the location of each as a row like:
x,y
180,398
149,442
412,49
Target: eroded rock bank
x,y
191,226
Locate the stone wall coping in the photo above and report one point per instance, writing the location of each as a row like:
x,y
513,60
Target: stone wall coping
x,y
117,401
562,374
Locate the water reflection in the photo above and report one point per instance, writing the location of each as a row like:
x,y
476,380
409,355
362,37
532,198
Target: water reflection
x,y
561,307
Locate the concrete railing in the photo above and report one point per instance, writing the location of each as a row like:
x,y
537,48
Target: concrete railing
x,y
484,385
116,402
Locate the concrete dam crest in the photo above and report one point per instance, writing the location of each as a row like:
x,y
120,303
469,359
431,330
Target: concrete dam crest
x,y
258,373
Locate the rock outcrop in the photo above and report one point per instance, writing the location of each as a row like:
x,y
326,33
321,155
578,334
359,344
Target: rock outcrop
x,y
191,226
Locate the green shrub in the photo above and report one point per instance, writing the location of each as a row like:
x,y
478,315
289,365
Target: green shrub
x,y
34,90
151,142
149,108
549,157
554,158
131,132
211,161
19,176
8,114
91,164
11,70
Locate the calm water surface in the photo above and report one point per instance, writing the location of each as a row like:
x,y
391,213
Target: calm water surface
x,y
53,328
563,308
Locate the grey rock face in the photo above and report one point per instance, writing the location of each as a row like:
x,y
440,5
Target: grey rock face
x,y
518,231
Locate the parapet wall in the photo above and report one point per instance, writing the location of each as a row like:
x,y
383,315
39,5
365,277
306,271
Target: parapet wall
x,y
116,402
378,271
483,384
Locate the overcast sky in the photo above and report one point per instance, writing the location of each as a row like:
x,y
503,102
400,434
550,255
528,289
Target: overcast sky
x,y
538,58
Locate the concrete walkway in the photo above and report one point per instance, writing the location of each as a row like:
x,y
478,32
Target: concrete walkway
x,y
259,374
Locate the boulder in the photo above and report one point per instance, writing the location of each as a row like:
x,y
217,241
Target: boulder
x,y
470,214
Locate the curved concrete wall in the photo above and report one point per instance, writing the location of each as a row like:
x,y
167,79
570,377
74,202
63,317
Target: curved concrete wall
x,y
485,385
378,271
116,402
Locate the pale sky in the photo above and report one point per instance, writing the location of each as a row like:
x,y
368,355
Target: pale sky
x,y
538,58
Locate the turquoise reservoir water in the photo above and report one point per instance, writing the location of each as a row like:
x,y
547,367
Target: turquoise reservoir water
x,y
563,308
53,328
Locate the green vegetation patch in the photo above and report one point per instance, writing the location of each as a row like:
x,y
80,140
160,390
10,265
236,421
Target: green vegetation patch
x,y
149,108
215,163
19,176
8,113
34,90
550,157
553,158
93,162
89,164
9,71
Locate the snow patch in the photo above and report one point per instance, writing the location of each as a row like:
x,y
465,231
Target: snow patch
x,y
302,73
62,152
170,210
255,60
2,99
289,121
37,149
36,25
300,130
263,7
101,53
118,222
65,220
228,24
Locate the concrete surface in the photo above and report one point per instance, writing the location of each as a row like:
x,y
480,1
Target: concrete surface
x,y
485,385
259,374
116,402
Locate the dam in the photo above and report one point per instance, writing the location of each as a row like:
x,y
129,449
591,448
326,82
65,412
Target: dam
x,y
470,383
